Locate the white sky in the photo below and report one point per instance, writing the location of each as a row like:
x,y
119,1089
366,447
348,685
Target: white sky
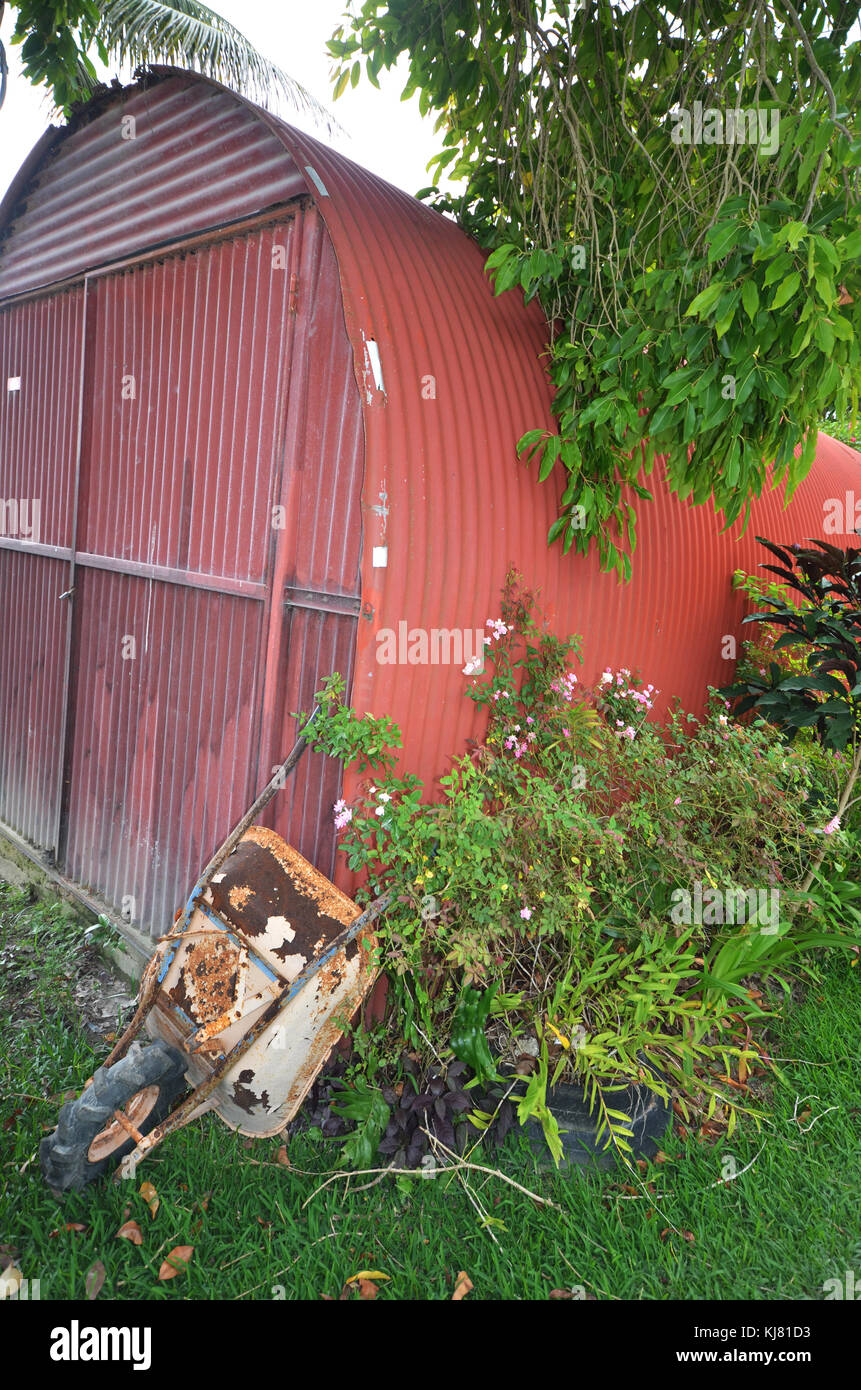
x,y
382,133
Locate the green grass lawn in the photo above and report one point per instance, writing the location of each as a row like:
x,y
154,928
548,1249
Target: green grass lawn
x,y
779,1230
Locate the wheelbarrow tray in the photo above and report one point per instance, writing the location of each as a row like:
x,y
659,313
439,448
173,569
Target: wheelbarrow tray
x,y
266,925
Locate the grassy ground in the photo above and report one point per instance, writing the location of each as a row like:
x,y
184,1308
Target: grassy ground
x,y
262,1230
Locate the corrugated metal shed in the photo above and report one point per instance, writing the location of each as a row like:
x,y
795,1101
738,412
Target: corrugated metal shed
x,y
297,334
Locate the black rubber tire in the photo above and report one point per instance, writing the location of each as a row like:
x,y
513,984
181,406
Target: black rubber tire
x,y
64,1154
650,1116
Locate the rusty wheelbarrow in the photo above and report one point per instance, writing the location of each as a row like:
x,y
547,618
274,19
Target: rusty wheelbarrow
x,y
244,999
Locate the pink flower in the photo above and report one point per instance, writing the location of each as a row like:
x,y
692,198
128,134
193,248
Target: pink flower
x,y
677,801
343,818
567,733
526,913
832,825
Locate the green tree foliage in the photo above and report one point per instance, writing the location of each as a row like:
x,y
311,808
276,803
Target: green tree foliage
x,y
824,622
678,185
59,38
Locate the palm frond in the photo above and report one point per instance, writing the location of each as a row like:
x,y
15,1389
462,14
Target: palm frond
x,y
187,34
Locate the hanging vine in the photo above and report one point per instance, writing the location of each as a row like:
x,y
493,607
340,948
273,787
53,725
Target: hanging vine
x,y
678,185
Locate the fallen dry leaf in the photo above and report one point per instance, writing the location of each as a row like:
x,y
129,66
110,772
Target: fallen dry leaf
x,y
462,1287
686,1235
130,1230
94,1279
742,1070
561,1293
660,1157
176,1261
281,1157
150,1196
69,1226
367,1274
367,1288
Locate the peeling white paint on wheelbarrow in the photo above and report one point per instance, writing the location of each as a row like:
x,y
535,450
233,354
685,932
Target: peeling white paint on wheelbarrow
x,y
267,918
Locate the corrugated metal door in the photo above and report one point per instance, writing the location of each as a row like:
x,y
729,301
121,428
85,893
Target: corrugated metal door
x,y
40,360
187,365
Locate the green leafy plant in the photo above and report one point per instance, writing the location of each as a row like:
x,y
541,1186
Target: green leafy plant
x,y
826,696
700,273
533,932
342,733
363,1103
59,38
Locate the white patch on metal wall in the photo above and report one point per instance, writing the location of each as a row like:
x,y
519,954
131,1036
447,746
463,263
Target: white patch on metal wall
x,y
316,180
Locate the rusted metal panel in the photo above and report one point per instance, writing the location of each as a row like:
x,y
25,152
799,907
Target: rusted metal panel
x,y
161,761
197,429
318,644
39,396
186,408
267,918
40,350
157,163
32,645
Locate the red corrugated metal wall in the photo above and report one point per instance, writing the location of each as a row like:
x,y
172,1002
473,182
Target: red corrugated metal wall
x,y
216,538
40,346
463,379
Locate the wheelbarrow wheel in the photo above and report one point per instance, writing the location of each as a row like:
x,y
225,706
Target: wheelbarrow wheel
x,y
91,1137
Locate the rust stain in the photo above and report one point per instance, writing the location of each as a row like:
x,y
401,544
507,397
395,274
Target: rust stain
x,y
309,882
210,973
244,1096
329,976
239,894
267,890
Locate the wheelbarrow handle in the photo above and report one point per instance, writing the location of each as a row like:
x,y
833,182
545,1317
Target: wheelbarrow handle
x,y
275,784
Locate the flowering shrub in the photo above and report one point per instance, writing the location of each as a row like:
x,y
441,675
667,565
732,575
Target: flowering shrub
x,y
545,879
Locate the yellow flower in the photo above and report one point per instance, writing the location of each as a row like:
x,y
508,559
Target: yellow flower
x,y
566,1042
542,894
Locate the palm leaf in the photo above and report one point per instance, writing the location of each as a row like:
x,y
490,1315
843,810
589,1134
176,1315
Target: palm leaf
x,y
190,35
